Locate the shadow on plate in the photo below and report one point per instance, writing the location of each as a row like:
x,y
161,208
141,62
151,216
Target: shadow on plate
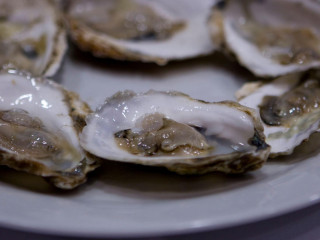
x,y
24,180
132,180
141,181
145,182
135,181
217,60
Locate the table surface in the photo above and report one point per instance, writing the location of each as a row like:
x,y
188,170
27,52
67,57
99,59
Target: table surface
x,y
302,224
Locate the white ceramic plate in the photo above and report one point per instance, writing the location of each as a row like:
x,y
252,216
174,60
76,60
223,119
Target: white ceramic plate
x,y
128,200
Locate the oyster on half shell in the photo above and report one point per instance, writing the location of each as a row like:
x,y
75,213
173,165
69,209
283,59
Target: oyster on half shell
x,y
172,130
273,37
289,108
32,36
39,126
141,30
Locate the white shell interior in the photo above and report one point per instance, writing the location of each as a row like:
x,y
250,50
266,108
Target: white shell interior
x,y
285,13
45,101
121,112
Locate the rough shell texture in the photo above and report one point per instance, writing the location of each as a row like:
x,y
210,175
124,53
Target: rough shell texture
x,y
226,122
32,37
282,138
40,123
269,39
193,40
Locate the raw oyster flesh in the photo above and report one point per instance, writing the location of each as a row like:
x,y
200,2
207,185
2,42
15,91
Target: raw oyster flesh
x,y
39,126
272,37
32,36
140,30
173,130
288,106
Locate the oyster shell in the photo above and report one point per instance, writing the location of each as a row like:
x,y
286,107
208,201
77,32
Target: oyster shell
x,y
39,126
171,129
139,30
288,107
272,37
32,36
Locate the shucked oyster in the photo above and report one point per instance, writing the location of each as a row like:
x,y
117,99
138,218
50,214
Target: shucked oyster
x,y
144,30
289,108
31,36
273,37
39,126
171,129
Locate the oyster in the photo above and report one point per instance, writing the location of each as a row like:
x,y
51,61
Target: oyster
x,y
140,30
272,37
172,130
39,126
289,107
32,36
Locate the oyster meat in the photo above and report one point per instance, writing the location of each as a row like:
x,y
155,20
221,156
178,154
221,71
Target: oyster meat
x,y
272,37
289,107
140,30
32,36
39,126
172,130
